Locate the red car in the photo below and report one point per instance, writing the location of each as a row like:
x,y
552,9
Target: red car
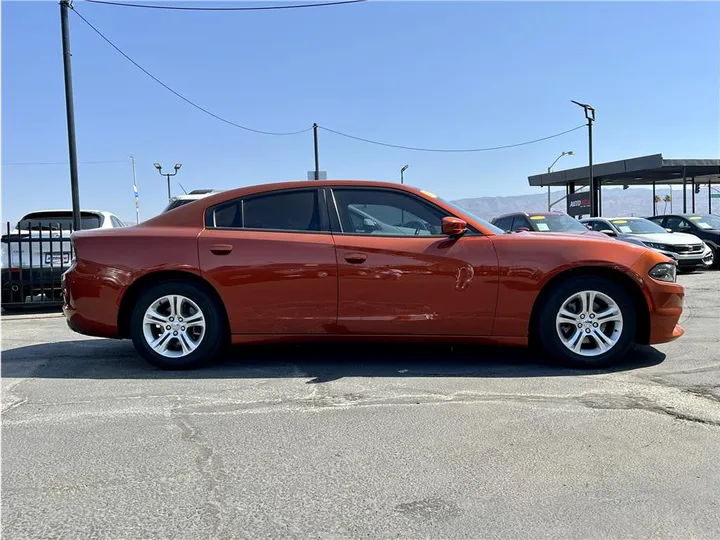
x,y
359,260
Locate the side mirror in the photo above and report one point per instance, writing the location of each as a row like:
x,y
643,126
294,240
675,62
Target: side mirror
x,y
609,232
453,226
669,230
522,229
370,225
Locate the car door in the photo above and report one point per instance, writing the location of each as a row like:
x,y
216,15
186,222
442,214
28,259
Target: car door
x,y
400,275
271,258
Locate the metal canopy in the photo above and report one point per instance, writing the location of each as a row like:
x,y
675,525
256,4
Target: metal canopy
x,y
643,170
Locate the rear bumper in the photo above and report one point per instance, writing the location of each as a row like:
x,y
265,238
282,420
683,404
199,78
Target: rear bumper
x,y
89,307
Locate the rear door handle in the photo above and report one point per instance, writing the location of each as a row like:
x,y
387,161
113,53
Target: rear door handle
x,y
355,258
221,249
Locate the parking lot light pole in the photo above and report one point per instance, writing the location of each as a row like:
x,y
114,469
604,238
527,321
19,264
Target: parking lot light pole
x,y
168,175
402,172
570,153
590,117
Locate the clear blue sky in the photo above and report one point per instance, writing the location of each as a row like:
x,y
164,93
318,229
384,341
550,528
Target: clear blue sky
x,y
433,74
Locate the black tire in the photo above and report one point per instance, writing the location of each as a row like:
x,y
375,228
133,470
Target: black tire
x,y
546,333
212,342
716,258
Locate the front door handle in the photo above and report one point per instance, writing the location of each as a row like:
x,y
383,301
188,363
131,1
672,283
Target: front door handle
x,y
221,249
355,258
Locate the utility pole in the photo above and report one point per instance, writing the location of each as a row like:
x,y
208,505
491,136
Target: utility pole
x,y
402,173
317,154
70,112
590,117
135,190
168,175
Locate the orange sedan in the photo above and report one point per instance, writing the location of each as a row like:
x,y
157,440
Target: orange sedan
x,y
359,260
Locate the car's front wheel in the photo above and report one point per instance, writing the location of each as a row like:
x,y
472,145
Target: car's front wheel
x,y
177,325
587,322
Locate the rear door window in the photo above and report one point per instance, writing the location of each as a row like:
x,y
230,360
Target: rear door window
x,y
293,211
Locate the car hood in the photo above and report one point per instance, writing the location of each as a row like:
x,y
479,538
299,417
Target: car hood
x,y
672,239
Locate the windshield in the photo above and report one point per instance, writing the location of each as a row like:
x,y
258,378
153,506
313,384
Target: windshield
x,y
637,226
559,223
493,228
708,221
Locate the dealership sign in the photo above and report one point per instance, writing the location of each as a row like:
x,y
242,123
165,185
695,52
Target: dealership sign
x,y
578,204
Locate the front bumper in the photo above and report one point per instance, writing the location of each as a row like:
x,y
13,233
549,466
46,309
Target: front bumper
x,y
685,260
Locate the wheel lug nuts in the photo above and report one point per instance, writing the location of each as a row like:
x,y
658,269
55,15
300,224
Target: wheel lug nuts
x,y
581,316
595,325
179,319
183,328
175,333
172,319
579,325
592,315
167,327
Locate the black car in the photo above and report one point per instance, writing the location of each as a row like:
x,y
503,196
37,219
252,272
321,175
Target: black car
x,y
704,226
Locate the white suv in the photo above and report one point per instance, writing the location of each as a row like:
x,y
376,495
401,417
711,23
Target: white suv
x,y
38,250
194,195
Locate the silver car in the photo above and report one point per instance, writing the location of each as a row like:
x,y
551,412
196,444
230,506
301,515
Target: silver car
x,y
688,251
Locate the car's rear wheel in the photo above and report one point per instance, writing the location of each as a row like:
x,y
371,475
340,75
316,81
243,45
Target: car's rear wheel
x,y
587,322
177,325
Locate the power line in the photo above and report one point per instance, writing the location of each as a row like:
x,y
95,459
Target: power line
x,y
178,94
234,8
450,149
64,162
369,141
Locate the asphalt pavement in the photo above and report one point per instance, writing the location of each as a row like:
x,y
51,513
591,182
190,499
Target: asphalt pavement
x,y
360,441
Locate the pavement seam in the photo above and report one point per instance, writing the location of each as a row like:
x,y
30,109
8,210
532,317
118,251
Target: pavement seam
x,y
209,465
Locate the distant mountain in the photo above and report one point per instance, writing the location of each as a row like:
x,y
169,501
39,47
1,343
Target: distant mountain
x,y
615,202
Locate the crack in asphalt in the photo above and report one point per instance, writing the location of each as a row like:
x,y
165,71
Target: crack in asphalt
x,y
209,465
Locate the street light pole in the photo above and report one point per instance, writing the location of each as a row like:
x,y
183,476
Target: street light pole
x,y
168,175
570,153
402,172
590,117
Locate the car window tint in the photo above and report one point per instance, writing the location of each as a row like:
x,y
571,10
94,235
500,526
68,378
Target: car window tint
x,y
288,211
504,223
386,212
678,224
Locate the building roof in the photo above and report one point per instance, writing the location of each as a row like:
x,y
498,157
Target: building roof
x,y
642,170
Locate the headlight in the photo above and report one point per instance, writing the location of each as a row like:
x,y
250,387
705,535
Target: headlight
x,y
664,272
655,246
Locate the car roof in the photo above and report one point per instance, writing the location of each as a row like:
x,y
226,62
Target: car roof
x,y
196,194
68,210
528,214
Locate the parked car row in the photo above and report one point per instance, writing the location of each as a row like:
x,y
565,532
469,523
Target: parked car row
x,y
690,240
